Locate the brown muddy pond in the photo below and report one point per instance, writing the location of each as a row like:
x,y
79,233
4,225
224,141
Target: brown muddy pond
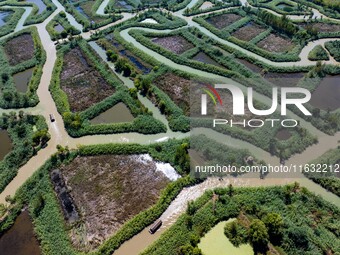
x,y
117,114
327,94
283,134
204,58
6,144
251,66
20,238
22,79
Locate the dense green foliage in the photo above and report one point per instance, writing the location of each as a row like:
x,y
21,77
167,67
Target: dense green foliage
x,y
327,178
262,212
28,134
177,120
318,53
281,24
334,49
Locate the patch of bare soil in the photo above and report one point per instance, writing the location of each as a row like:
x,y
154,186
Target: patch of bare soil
x,y
248,32
175,43
322,27
276,43
177,88
224,20
82,83
109,190
20,49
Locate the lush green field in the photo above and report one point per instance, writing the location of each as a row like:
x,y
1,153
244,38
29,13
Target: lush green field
x,y
29,134
328,179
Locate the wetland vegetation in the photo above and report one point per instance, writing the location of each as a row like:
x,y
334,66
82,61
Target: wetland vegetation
x,y
17,89
22,136
266,224
44,206
135,74
93,91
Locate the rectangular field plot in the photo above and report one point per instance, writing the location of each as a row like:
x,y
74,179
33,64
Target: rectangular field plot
x,y
82,83
177,88
322,27
19,49
108,190
248,32
175,43
276,43
224,20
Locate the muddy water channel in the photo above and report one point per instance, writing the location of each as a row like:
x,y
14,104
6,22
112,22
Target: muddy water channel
x,y
117,114
20,238
41,5
22,79
5,144
327,94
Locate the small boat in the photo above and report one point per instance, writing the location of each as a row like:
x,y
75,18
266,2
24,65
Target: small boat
x,y
52,118
155,227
